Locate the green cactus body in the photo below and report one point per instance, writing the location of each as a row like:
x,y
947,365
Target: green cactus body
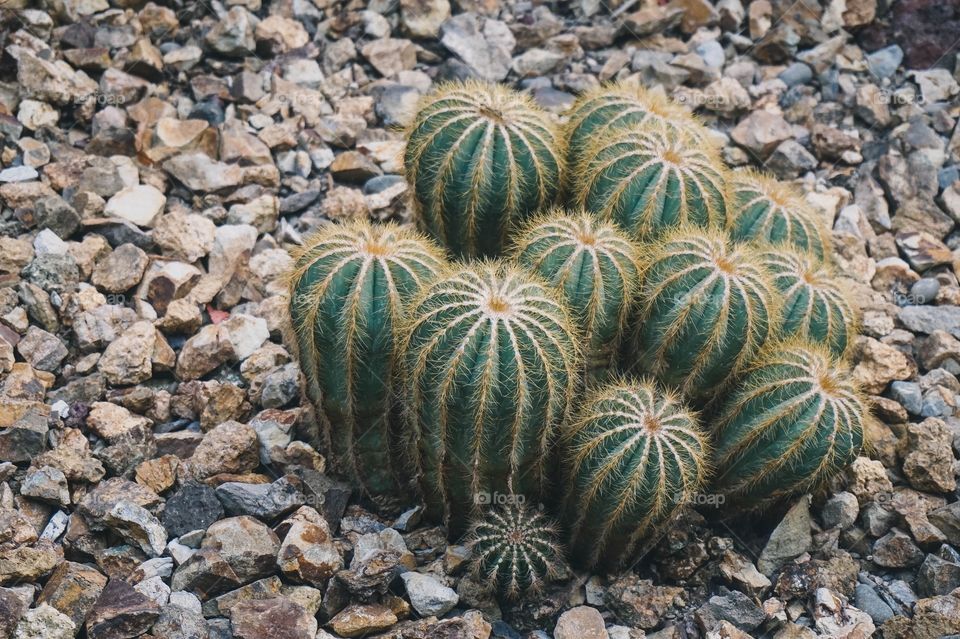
x,y
767,211
347,289
480,158
794,420
648,180
706,309
621,105
634,457
491,366
815,305
516,550
596,268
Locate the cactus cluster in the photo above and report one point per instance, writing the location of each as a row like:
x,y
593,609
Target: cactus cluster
x,y
571,363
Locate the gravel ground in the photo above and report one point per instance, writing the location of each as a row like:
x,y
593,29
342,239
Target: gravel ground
x,y
157,473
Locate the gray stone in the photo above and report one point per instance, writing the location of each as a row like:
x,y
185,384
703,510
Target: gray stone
x,y
896,550
867,600
796,74
791,538
488,54
263,501
734,607
45,622
927,319
427,595
909,395
137,525
924,290
883,63
938,575
840,511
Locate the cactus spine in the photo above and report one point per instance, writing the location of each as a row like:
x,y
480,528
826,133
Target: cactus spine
x,y
795,420
633,458
649,179
480,158
596,268
706,309
491,365
347,288
815,305
620,105
515,549
771,212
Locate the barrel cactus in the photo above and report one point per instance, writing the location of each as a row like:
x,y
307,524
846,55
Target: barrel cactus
x,y
596,268
707,307
619,105
490,364
768,211
795,419
815,306
650,179
347,290
480,158
634,457
515,550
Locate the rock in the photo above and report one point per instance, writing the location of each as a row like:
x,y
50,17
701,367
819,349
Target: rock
x,y
263,501
939,574
868,480
140,204
41,349
359,619
248,546
733,607
159,474
308,554
121,612
936,617
741,572
198,172
204,352
637,602
12,607
390,56
233,34
121,270
922,250
486,53
193,507
879,364
927,319
180,622
130,358
928,458
429,597
277,617
45,622
936,85
138,526
231,448
73,589
761,132
790,159
871,603
582,622
46,484
186,237
422,18
834,618
841,511
883,63
280,34
896,550
791,538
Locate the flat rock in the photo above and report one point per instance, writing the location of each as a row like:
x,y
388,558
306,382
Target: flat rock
x,y
139,204
121,612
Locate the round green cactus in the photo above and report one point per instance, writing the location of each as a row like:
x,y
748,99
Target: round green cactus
x,y
347,291
767,211
619,105
491,366
632,460
794,420
707,307
516,550
816,306
596,268
649,179
480,158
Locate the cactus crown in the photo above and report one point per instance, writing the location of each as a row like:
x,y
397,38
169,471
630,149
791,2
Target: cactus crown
x,y
649,179
491,365
815,303
347,291
707,307
618,105
634,456
595,267
771,212
480,158
516,549
795,420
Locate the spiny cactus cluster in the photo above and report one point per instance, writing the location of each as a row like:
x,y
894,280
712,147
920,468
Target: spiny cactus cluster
x,y
570,365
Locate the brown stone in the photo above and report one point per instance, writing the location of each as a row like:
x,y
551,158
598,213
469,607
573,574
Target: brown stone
x,y
121,612
73,589
357,619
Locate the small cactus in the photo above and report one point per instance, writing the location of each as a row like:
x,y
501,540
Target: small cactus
x,y
515,549
794,421
816,306
632,460
707,307
650,179
480,158
619,105
491,366
596,268
768,211
347,290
